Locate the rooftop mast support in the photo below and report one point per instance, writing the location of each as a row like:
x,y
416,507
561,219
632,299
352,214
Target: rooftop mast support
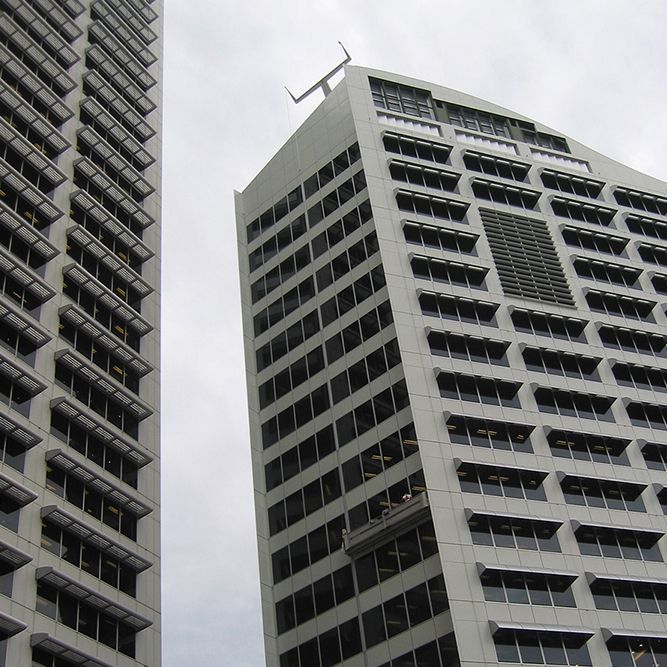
x,y
323,83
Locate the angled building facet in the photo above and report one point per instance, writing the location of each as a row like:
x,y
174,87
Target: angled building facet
x,y
454,324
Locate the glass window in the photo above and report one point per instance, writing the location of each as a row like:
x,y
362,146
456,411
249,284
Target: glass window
x,y
401,99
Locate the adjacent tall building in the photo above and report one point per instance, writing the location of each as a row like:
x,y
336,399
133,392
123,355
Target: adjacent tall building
x,y
455,339
80,126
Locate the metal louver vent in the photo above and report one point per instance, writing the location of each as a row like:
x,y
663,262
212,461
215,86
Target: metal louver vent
x,y
526,258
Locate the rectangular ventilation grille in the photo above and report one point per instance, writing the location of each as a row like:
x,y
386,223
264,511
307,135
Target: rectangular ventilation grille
x,y
526,258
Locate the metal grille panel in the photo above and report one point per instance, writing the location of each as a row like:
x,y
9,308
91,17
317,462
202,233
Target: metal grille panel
x,y
526,258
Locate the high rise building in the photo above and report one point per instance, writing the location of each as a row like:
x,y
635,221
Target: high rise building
x,y
80,126
456,356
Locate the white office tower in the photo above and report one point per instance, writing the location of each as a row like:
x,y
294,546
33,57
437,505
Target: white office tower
x,y
455,338
80,125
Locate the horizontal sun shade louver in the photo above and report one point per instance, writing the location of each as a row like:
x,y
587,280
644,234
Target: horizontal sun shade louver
x,y
118,77
593,240
121,54
435,207
503,193
526,258
642,201
495,166
109,259
120,29
27,191
11,626
13,557
27,114
45,32
97,482
101,216
13,490
74,7
130,17
16,374
45,63
59,18
582,211
648,227
31,154
33,84
70,524
26,232
45,642
142,8
573,185
17,432
113,191
621,305
25,277
407,146
93,598
107,297
93,108
71,411
91,375
100,335
104,151
114,101
446,271
24,325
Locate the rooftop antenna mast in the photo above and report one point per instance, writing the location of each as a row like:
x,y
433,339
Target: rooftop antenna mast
x,y
323,83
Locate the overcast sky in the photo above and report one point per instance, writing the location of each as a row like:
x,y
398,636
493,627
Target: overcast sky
x,y
594,70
